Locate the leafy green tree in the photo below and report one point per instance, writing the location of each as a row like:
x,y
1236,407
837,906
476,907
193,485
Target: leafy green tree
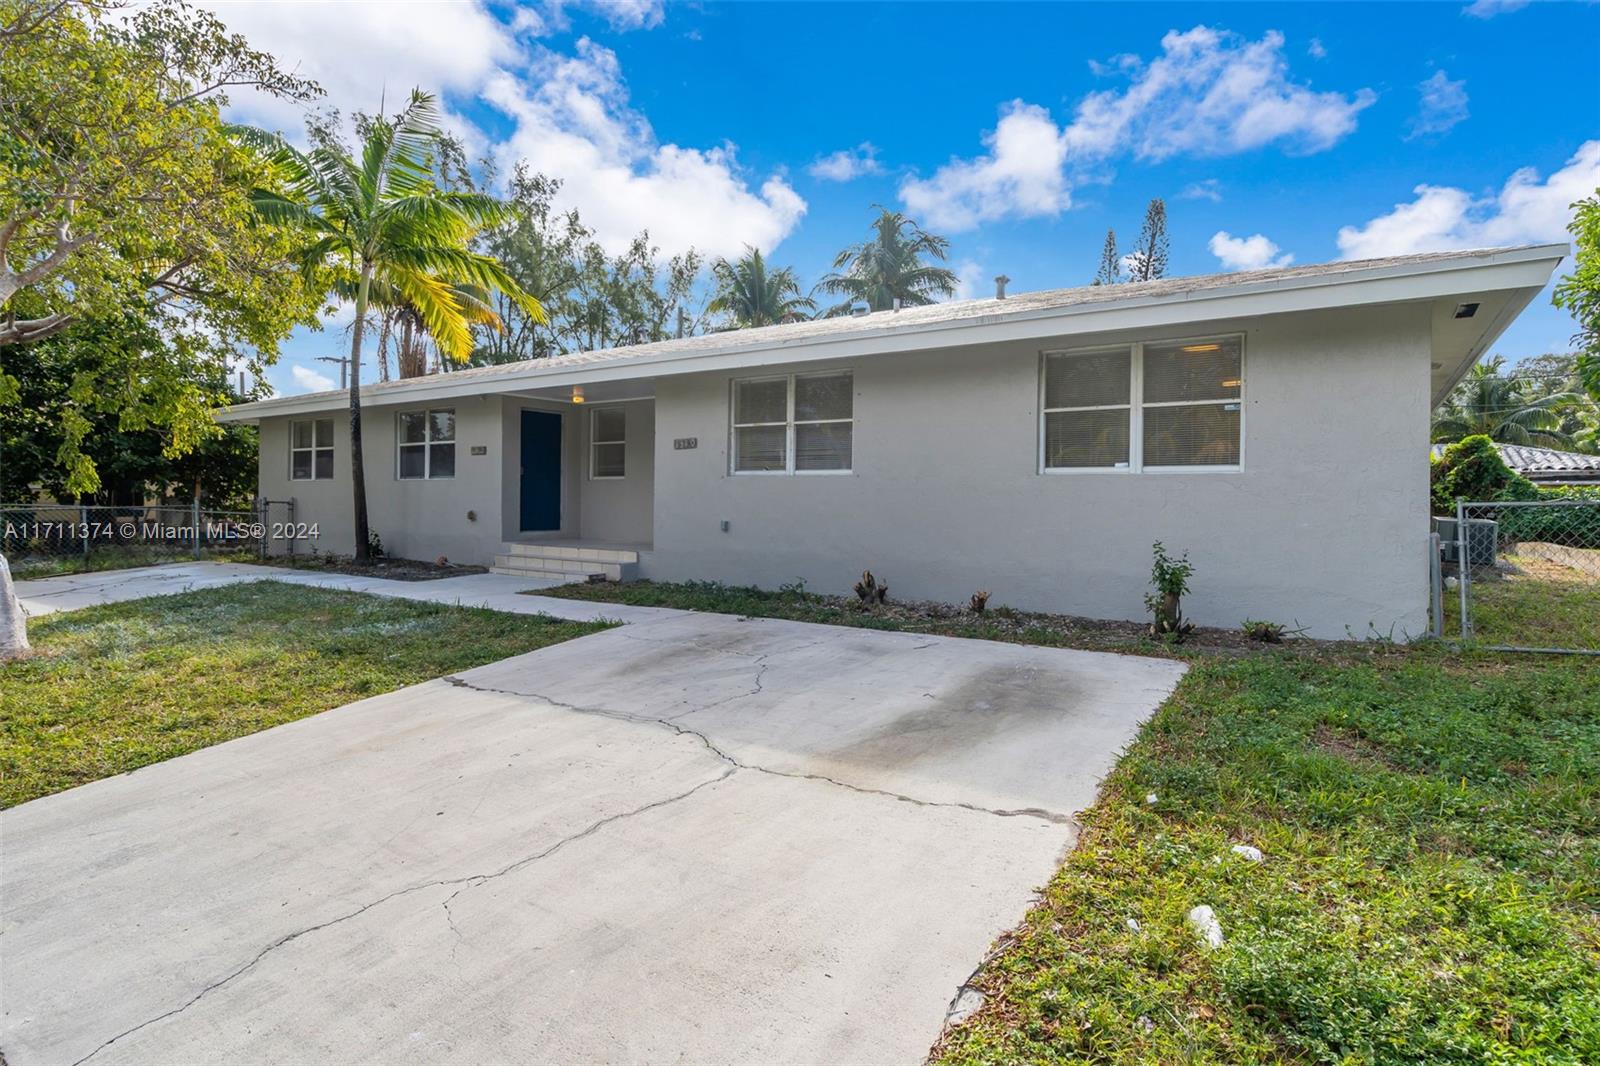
x,y
1501,407
1110,272
68,383
750,293
1555,374
123,192
1579,291
383,219
1148,260
1471,469
893,265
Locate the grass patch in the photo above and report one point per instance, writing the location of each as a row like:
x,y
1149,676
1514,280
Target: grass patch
x,y
120,557
120,686
1542,603
1431,826
1430,893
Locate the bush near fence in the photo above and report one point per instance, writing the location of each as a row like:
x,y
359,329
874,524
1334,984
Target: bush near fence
x,y
1572,527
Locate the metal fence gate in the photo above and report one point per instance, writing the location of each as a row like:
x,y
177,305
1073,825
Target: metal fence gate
x,y
41,538
1527,574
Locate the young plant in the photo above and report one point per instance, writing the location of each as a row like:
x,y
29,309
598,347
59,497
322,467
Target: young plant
x,y
979,601
1264,632
871,591
1171,580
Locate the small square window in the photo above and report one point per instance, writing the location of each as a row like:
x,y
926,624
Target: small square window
x,y
311,450
425,443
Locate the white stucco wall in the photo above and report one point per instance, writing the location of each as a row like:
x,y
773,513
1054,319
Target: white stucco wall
x,y
1325,526
423,519
417,519
619,510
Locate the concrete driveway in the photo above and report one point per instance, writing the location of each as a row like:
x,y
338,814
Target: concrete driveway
x,y
693,838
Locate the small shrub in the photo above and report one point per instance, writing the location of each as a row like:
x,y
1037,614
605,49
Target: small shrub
x,y
1171,580
979,601
1265,632
793,590
1472,469
374,544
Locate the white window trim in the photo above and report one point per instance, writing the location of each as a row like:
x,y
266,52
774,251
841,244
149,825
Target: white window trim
x,y
1136,406
594,442
788,423
314,449
426,443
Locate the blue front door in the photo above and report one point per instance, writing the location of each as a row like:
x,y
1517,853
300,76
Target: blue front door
x,y
541,470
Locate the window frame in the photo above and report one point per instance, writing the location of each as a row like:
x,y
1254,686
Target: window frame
x,y
427,443
595,442
1136,405
789,424
313,449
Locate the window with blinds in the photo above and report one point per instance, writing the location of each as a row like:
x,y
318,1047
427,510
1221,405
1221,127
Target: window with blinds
x,y
794,424
1145,406
311,450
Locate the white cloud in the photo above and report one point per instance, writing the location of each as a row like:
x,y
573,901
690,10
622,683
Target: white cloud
x,y
1209,93
1488,9
574,122
1442,104
1020,175
310,380
1209,189
573,116
970,281
1255,252
847,164
1443,217
1316,49
362,55
1212,92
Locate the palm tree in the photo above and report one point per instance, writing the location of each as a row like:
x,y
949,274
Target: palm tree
x,y
753,294
384,221
891,266
1501,407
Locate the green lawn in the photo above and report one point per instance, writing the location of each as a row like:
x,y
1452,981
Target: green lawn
x,y
1544,604
1430,891
117,687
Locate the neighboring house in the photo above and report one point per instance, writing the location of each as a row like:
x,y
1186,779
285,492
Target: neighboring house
x,y
1272,424
1545,466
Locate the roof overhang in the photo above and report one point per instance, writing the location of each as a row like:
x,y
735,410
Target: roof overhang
x,y
1514,276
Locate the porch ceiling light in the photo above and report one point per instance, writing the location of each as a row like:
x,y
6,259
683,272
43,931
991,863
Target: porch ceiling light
x,y
577,394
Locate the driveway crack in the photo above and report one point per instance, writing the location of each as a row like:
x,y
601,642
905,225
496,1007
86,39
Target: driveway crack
x,y
466,882
1055,817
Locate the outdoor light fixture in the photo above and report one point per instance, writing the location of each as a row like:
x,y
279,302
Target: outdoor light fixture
x,y
577,394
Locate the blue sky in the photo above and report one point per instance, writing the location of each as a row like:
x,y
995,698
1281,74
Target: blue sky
x,y
1275,132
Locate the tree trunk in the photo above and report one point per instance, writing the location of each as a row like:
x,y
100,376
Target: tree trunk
x,y
358,473
383,348
13,623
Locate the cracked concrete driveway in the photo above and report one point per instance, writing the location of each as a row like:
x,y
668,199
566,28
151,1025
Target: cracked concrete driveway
x,y
688,839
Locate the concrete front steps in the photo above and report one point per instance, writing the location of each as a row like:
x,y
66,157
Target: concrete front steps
x,y
562,562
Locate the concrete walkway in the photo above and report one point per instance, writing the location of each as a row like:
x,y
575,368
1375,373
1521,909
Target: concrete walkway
x,y
693,838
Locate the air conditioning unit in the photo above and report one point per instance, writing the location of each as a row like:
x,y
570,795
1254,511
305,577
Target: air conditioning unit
x,y
1482,539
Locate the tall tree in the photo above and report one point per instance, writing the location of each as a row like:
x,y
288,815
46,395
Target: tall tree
x,y
1110,272
385,220
750,293
119,181
894,264
1502,407
122,192
1579,291
1148,260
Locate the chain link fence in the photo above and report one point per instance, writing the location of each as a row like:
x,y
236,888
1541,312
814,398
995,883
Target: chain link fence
x,y
42,539
1526,574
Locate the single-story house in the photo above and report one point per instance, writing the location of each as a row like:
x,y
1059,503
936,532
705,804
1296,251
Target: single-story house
x,y
1272,424
1545,466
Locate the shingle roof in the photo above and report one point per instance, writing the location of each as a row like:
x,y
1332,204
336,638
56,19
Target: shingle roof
x,y
1019,305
